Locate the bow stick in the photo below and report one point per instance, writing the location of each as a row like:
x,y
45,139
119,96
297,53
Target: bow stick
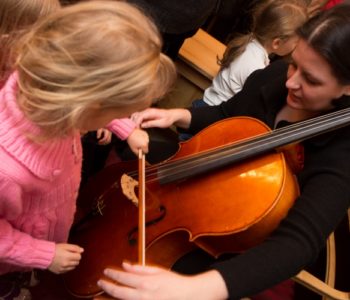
x,y
142,213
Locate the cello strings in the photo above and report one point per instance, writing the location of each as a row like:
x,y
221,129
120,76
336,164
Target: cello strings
x,y
219,153
253,146
250,144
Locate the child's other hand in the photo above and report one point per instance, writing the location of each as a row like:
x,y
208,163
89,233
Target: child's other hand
x,y
138,139
67,257
104,136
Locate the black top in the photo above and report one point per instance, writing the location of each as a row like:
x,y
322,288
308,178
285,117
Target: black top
x,y
324,189
178,16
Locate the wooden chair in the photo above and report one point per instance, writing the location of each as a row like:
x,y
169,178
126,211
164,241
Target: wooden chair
x,y
325,288
201,52
196,66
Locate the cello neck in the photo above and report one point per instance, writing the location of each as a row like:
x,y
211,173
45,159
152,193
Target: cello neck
x,y
239,151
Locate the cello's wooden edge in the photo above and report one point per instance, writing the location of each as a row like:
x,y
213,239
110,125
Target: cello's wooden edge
x,y
104,296
95,295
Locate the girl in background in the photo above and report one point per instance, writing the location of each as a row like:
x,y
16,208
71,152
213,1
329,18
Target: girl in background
x,y
272,32
75,71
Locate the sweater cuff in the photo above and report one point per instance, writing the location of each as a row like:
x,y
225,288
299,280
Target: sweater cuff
x,y
122,128
43,253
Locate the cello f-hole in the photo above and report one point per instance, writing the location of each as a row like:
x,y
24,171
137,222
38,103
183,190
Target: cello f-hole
x,y
134,231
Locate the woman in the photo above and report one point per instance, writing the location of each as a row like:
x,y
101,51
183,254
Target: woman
x,y
316,81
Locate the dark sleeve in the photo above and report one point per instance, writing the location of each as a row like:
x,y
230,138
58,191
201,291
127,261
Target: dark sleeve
x,y
177,17
323,202
248,102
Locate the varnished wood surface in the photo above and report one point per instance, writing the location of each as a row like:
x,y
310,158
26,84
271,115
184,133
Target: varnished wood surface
x,y
201,52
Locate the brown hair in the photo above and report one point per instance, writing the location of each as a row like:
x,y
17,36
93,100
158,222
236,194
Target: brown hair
x,y
328,33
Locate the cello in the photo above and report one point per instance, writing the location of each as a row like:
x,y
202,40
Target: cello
x,y
206,196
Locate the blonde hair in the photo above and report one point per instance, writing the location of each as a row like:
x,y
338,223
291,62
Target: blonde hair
x,y
103,54
15,17
271,19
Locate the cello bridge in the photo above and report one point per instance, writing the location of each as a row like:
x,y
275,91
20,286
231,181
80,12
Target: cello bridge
x,y
128,185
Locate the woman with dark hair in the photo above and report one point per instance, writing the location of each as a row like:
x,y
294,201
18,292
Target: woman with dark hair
x,y
315,83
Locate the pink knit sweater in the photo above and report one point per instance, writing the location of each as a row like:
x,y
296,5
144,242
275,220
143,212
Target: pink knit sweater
x,y
38,188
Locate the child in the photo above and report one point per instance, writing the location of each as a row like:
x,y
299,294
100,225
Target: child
x,y
76,71
15,18
96,145
272,32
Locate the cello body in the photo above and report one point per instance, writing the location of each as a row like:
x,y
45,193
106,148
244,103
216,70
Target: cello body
x,y
227,210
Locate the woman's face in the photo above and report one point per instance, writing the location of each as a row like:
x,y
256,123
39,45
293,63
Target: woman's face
x,y
311,83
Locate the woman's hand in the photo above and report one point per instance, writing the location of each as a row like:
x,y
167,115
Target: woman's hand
x,y
162,118
138,139
67,257
143,282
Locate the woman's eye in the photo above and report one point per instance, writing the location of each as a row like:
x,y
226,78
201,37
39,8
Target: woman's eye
x,y
311,81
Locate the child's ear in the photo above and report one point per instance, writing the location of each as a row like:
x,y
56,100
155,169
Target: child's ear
x,y
276,43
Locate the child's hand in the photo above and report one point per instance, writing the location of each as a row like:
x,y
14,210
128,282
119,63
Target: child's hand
x,y
67,257
138,139
104,136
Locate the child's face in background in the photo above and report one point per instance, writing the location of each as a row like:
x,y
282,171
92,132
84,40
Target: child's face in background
x,y
286,46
